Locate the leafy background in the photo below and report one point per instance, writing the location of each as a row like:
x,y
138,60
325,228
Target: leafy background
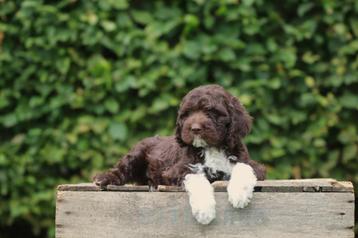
x,y
82,81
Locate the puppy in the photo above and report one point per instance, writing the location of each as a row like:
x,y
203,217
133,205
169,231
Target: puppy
x,y
207,146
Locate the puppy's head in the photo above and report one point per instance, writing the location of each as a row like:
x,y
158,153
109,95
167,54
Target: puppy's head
x,y
211,117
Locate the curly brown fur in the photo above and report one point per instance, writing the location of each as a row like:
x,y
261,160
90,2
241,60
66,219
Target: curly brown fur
x,y
208,117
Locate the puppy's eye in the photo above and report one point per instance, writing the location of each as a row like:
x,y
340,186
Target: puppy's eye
x,y
217,113
184,115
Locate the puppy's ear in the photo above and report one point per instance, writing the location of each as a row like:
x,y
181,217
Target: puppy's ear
x,y
240,124
178,128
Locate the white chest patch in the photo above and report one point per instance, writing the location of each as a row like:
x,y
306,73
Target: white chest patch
x,y
217,160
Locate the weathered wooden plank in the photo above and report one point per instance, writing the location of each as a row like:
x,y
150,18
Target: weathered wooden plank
x,y
302,185
298,185
92,187
128,188
78,187
339,186
139,214
164,188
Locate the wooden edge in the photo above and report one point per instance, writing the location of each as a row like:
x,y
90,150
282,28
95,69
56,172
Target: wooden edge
x,y
301,185
79,187
340,186
128,188
165,188
93,187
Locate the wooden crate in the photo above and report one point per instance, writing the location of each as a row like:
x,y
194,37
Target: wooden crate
x,y
279,208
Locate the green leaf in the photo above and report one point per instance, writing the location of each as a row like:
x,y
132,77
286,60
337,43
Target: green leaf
x,y
350,152
142,17
111,105
8,120
226,55
118,131
108,26
248,2
349,100
191,49
304,8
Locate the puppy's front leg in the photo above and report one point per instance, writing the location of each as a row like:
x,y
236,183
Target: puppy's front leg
x,y
201,197
241,185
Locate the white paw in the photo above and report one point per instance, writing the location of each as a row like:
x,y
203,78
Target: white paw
x,y
241,185
201,198
204,213
239,197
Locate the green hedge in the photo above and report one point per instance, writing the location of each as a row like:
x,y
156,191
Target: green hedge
x,y
82,81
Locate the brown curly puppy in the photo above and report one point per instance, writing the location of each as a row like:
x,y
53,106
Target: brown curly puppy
x,y
208,118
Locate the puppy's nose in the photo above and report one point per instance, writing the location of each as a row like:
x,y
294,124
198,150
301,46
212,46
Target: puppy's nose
x,y
195,128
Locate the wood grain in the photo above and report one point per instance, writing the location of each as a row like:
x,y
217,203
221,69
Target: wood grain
x,y
301,185
279,208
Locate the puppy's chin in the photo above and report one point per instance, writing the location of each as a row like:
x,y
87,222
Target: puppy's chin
x,y
199,142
